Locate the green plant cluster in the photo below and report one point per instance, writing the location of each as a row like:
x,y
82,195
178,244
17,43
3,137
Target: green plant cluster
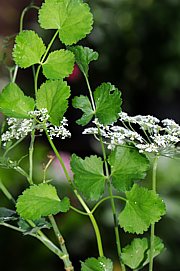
x,y
117,170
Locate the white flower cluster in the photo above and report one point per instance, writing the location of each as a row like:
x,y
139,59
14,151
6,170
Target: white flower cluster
x,y
147,133
59,131
19,128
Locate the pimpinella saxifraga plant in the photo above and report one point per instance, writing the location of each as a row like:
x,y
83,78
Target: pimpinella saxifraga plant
x,y
129,144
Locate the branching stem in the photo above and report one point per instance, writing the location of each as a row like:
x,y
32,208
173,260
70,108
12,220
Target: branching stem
x,y
67,262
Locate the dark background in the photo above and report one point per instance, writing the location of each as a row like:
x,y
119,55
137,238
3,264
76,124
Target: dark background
x,y
139,47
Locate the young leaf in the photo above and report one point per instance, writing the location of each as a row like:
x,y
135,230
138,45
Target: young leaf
x,y
83,103
83,56
7,215
100,264
53,95
108,103
88,176
143,207
40,200
72,18
59,64
28,50
13,102
158,248
127,165
133,254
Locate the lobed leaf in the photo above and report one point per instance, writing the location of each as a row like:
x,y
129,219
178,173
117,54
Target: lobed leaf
x,y
72,17
127,165
13,102
28,49
158,248
83,103
40,200
59,64
100,264
143,207
133,254
83,56
108,103
53,96
88,176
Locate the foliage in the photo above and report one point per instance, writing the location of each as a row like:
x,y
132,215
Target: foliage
x,y
121,166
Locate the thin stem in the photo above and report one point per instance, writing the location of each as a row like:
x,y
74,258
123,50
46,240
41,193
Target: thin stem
x,y
90,93
78,211
6,193
116,229
86,208
154,175
67,262
20,29
31,151
104,199
13,146
15,74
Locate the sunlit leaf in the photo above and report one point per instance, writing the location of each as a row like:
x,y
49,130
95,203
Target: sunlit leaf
x,y
59,64
13,102
72,18
53,96
40,200
28,49
143,207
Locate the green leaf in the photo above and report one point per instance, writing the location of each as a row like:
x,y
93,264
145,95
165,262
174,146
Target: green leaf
x,y
7,215
53,96
13,102
108,103
39,225
40,200
28,50
143,207
59,64
100,264
83,56
72,17
158,248
133,254
88,176
83,103
127,165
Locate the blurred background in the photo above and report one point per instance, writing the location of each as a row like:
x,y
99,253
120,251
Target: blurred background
x,y
139,47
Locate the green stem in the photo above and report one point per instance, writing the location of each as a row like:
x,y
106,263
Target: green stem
x,y
116,228
78,211
104,199
31,151
90,93
42,60
13,146
67,262
6,193
86,208
154,175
